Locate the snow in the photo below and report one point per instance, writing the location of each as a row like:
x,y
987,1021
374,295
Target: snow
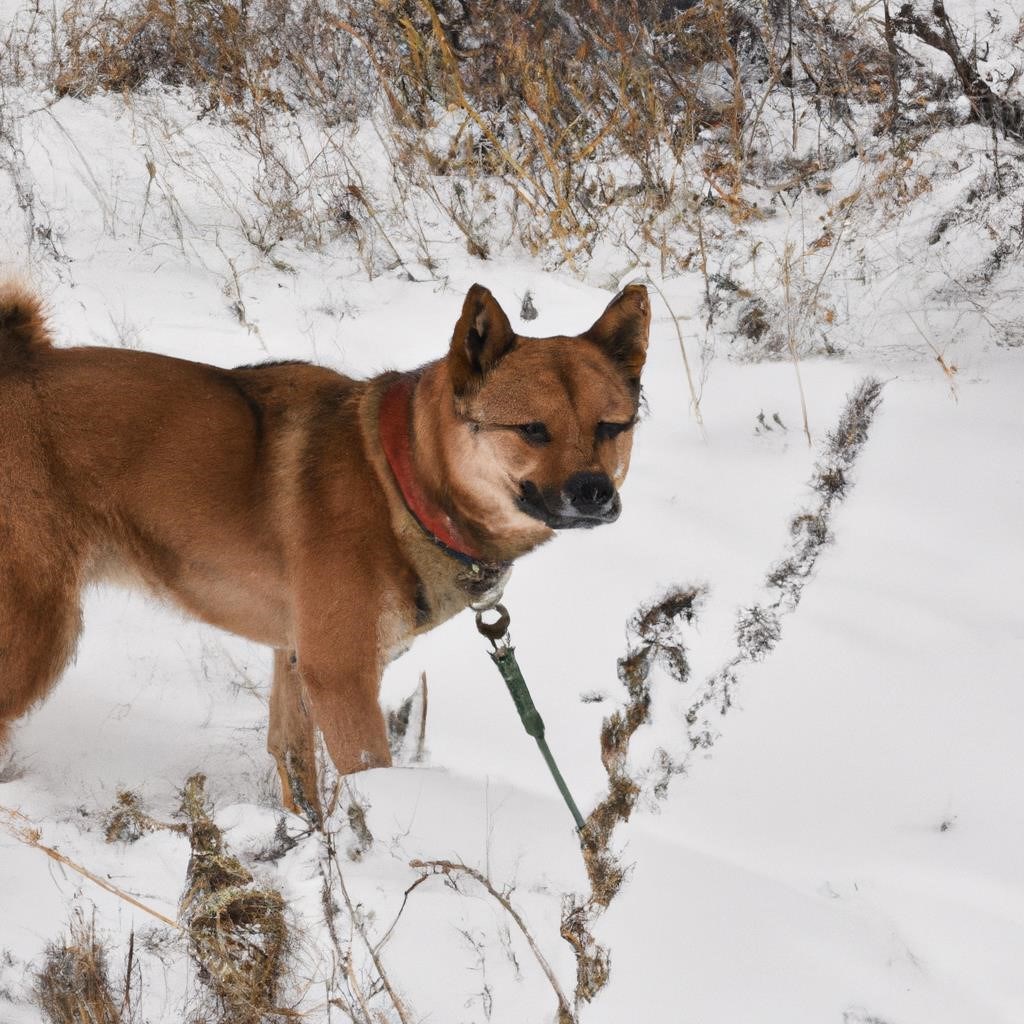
x,y
847,850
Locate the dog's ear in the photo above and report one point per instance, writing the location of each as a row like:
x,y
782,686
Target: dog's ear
x,y
482,336
623,329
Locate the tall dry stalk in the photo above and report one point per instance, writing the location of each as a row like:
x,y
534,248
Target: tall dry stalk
x,y
694,397
16,825
792,319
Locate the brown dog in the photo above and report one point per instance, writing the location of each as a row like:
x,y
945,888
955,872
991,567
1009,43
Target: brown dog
x,y
331,519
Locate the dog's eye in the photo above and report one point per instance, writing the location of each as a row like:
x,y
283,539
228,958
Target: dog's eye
x,y
606,431
535,433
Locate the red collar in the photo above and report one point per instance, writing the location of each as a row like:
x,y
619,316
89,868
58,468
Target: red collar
x,y
395,428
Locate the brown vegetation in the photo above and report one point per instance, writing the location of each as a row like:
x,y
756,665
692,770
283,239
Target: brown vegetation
x,y
579,109
236,928
73,985
657,631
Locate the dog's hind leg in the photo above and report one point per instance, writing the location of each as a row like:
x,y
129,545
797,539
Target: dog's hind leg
x,y
291,740
39,627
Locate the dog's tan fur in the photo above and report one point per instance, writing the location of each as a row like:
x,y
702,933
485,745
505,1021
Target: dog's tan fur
x,y
259,500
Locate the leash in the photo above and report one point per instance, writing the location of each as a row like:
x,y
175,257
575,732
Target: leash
x,y
504,657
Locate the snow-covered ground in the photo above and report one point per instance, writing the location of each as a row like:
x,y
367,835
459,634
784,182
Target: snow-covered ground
x,y
848,850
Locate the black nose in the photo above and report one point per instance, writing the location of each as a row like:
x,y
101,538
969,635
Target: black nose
x,y
590,493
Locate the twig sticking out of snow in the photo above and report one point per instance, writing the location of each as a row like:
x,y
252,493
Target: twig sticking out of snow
x,y
15,824
453,870
330,869
694,397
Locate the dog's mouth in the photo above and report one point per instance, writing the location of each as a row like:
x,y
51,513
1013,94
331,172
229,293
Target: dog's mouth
x,y
581,505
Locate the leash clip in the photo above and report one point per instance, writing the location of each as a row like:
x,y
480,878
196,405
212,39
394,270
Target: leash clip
x,y
493,631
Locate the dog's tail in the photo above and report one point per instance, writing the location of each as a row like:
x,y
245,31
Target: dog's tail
x,y
23,329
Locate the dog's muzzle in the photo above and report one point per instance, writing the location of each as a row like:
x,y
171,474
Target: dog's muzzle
x,y
586,500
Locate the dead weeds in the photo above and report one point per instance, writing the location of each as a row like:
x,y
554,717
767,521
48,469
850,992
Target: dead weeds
x,y
656,628
73,986
236,928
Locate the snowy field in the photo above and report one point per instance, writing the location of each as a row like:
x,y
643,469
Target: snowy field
x,y
846,848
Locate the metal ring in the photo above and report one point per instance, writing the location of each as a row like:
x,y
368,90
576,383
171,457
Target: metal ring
x,y
491,600
494,631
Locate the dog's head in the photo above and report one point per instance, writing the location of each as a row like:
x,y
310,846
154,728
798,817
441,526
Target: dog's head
x,y
549,420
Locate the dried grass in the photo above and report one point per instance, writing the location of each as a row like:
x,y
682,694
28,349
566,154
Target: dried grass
x,y
127,821
73,985
244,58
580,111
236,928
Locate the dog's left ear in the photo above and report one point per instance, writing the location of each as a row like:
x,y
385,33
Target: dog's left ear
x,y
482,336
623,330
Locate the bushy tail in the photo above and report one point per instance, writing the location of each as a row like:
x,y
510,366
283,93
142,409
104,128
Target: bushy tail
x,y
22,324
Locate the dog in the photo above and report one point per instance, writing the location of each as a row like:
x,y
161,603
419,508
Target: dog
x,y
331,519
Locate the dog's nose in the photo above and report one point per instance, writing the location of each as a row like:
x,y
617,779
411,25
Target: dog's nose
x,y
590,493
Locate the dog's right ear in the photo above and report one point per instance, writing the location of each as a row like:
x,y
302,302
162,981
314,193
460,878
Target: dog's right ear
x,y
482,336
623,330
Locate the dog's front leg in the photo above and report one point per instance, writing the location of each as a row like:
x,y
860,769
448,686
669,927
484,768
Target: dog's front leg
x,y
341,680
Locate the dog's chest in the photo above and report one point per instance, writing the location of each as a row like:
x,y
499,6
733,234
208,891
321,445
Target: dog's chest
x,y
443,588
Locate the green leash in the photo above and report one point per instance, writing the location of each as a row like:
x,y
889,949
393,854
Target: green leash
x,y
504,656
